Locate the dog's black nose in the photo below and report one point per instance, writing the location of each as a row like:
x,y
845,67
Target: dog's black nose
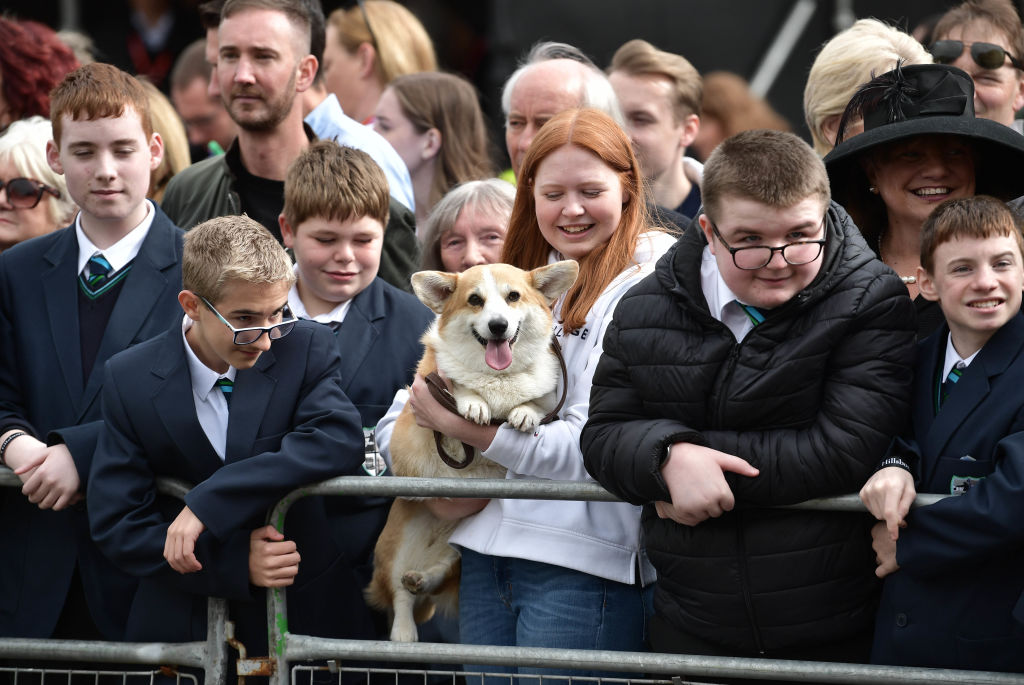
x,y
498,326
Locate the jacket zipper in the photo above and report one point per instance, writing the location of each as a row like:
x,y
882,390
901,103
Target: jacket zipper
x,y
745,583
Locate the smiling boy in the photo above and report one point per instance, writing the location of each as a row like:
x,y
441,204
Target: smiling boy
x,y
765,362
69,300
336,207
245,402
954,571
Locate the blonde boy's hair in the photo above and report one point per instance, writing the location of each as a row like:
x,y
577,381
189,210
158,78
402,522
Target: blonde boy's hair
x,y
337,183
981,216
640,58
98,91
232,248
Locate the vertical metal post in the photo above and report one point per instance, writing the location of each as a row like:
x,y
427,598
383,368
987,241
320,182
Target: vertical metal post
x,y
216,661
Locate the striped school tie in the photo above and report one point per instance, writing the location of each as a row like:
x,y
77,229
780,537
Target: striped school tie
x,y
227,386
753,313
947,385
98,276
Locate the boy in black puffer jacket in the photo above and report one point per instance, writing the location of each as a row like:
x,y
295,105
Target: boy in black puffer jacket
x,y
767,361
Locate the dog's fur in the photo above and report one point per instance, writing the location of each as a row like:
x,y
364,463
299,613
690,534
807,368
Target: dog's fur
x,y
491,341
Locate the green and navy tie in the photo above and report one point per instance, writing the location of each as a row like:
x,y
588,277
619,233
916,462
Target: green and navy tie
x,y
227,386
98,276
753,313
947,385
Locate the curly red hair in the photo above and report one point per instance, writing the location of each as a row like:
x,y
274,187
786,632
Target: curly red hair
x,y
32,61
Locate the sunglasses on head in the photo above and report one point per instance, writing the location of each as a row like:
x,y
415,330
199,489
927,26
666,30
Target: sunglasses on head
x,y
985,55
25,193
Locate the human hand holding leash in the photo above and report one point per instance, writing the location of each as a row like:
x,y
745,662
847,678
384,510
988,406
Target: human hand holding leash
x,y
695,477
430,413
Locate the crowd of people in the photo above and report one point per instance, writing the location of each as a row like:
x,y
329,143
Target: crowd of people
x,y
215,287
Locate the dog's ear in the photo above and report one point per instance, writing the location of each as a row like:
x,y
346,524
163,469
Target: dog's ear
x,y
434,288
555,279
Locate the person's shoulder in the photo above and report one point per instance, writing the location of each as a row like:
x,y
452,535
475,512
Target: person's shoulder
x,y
400,301
33,248
196,174
144,356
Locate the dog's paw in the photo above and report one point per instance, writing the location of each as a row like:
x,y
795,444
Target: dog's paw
x,y
404,630
524,418
414,581
477,411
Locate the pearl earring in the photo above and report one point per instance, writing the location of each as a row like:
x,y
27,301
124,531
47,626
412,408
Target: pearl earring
x,y
873,190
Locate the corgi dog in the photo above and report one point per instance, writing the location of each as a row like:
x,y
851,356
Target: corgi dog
x,y
492,342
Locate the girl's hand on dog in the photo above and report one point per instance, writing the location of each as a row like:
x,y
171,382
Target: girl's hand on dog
x,y
454,508
429,413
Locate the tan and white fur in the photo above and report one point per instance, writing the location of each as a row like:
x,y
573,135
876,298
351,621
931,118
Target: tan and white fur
x,y
491,341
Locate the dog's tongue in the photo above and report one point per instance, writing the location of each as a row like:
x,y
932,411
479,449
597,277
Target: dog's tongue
x,y
498,355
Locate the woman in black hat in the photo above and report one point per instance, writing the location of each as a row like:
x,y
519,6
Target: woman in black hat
x,y
921,145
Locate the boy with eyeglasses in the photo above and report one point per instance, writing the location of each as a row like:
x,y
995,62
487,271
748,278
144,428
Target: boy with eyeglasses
x,y
765,362
69,300
245,403
985,38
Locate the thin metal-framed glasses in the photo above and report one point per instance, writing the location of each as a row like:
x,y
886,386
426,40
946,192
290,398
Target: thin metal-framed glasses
x,y
25,193
758,256
247,336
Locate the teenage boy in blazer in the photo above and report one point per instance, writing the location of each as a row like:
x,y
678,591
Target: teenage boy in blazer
x,y
281,422
954,570
69,300
335,217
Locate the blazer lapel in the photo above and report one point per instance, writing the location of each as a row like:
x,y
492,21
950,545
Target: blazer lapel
x,y
176,406
975,384
358,333
143,288
60,290
252,393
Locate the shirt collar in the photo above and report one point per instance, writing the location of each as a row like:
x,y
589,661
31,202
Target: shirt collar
x,y
299,309
203,377
953,358
716,292
121,252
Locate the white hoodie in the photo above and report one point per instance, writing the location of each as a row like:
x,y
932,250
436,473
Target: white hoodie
x,y
599,538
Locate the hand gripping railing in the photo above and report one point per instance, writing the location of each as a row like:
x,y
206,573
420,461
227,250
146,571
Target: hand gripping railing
x,y
287,647
210,656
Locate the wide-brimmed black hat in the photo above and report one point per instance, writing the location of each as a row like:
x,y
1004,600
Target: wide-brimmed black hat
x,y
924,99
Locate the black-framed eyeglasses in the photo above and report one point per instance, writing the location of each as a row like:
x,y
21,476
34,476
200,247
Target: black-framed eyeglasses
x,y
758,256
247,336
25,193
985,55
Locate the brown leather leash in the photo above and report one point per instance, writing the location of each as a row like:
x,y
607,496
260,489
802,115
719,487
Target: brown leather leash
x,y
439,390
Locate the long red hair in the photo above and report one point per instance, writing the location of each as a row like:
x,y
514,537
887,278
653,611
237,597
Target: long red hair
x,y
596,132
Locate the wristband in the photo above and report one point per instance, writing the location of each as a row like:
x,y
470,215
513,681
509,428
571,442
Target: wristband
x,y
5,443
894,461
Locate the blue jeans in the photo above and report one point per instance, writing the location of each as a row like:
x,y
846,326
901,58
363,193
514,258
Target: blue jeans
x,y
519,603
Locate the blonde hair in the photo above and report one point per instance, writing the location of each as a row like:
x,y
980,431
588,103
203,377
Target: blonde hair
x,y
232,248
168,124
399,39
640,58
334,182
846,62
23,144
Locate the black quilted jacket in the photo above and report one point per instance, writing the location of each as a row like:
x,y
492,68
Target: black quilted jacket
x,y
811,397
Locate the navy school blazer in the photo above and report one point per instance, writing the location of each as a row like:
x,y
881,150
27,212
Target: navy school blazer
x,y
290,424
41,390
380,347
956,601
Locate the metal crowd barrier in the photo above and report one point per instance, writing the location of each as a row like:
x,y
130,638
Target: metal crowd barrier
x,y
209,656
294,657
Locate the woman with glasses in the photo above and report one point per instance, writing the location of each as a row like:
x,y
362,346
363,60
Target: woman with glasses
x,y
921,145
434,122
369,44
986,39
33,198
